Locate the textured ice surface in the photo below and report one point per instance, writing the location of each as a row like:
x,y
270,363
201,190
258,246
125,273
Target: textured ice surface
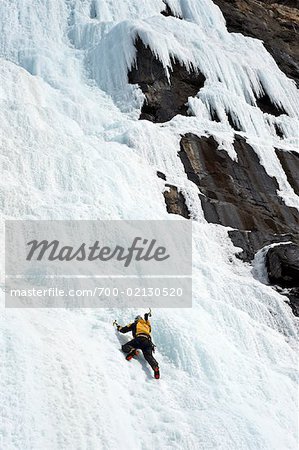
x,y
72,147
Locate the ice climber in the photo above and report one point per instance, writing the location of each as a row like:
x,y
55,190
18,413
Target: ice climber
x,y
141,330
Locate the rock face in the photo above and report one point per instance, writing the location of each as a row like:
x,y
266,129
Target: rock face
x,y
175,201
276,22
283,265
243,196
164,98
252,241
236,194
282,262
290,164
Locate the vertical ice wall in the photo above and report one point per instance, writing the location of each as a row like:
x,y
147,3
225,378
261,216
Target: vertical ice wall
x,y
72,147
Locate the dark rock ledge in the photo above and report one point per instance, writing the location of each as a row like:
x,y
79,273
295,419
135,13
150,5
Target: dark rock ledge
x,y
164,98
243,196
282,262
239,194
175,201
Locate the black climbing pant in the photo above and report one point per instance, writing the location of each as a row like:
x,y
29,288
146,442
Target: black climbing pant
x,y
144,344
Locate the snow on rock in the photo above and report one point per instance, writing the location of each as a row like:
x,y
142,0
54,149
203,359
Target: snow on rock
x,y
73,148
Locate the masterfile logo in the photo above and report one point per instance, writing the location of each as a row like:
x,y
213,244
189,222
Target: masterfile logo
x,y
98,263
140,249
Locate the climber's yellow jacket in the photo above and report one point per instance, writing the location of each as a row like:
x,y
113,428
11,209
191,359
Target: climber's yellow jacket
x,y
143,327
140,328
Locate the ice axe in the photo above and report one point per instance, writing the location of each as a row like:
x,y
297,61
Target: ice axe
x,y
115,323
149,314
